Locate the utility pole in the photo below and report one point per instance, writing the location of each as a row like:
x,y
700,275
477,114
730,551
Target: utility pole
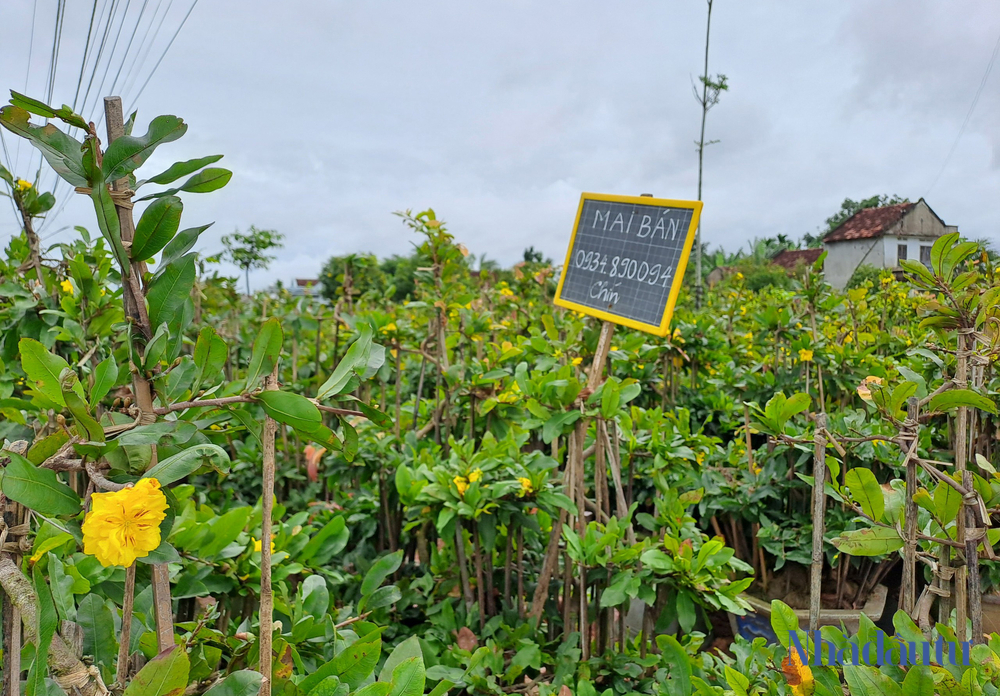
x,y
709,97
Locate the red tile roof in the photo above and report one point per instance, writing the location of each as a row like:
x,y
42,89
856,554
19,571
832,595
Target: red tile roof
x,y
790,258
869,223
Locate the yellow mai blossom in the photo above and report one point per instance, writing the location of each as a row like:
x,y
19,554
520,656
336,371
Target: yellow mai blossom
x,y
388,327
506,292
475,476
526,486
614,347
21,185
557,354
738,276
258,545
577,361
805,355
125,525
67,287
700,457
461,484
863,391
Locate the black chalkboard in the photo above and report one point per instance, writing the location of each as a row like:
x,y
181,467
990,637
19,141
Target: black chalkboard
x,y
627,257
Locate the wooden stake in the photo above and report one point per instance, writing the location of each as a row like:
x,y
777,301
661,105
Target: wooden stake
x,y
135,308
267,511
961,424
819,521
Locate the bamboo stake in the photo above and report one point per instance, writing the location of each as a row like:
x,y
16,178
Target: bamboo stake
x,y
267,511
463,568
819,521
122,671
908,591
135,308
961,424
520,572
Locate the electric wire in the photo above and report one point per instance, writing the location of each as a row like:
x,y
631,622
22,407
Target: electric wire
x,y
163,55
968,115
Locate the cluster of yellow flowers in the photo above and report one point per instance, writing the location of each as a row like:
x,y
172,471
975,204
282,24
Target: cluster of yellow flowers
x,y
805,355
506,292
258,545
388,328
462,483
577,361
125,525
509,396
526,486
22,186
67,287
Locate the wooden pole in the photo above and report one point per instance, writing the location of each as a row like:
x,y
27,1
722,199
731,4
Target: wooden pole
x,y
819,521
135,308
908,592
122,671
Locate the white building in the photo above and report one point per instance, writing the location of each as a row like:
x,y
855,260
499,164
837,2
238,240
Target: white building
x,y
881,237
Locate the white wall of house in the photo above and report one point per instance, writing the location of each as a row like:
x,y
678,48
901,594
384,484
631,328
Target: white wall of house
x,y
842,258
913,248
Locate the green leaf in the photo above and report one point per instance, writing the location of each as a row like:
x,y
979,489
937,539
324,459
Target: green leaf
x,y
610,398
48,620
210,353
169,291
408,678
783,621
918,681
373,689
873,541
105,377
380,570
356,358
62,152
947,502
409,648
266,349
953,398
157,226
326,543
98,625
382,597
181,244
868,681
291,409
43,368
128,152
245,682
679,683
179,169
164,675
207,180
737,682
352,665
42,449
686,613
39,489
866,492
40,108
315,596
188,461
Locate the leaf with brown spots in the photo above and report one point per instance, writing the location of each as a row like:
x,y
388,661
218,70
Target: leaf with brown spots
x,y
164,675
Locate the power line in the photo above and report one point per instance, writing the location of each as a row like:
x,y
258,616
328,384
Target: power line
x,y
86,52
968,116
162,55
149,46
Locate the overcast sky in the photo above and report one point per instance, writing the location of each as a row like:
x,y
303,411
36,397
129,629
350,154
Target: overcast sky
x,y
332,115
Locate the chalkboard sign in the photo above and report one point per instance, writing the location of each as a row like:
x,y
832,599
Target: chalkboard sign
x,y
626,259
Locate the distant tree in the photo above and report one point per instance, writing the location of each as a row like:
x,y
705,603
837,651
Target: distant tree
x,y
359,272
849,208
532,256
400,272
250,250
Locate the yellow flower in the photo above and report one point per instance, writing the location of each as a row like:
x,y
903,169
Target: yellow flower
x,y
67,287
475,476
557,354
388,327
258,545
215,426
805,355
738,276
125,525
21,185
506,292
678,361
798,675
461,484
700,457
526,486
641,366
614,348
103,292
577,361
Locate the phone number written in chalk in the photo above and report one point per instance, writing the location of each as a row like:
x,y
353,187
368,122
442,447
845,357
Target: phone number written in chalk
x,y
623,267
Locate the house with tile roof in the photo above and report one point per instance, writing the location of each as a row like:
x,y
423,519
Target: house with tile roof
x,y
881,237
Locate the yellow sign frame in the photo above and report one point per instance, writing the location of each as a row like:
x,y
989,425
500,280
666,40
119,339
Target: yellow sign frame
x,y
663,328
